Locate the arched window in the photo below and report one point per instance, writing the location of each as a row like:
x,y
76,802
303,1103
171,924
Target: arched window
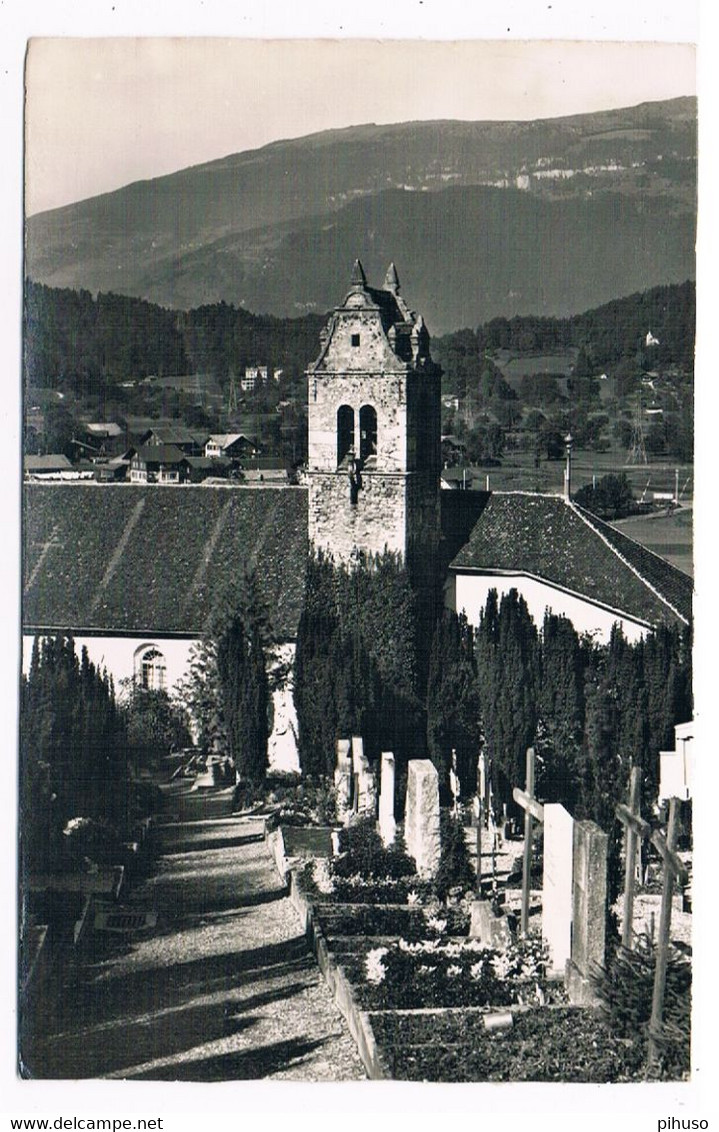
x,y
368,432
150,669
345,431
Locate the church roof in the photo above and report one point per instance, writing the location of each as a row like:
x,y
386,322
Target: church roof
x,y
152,560
545,537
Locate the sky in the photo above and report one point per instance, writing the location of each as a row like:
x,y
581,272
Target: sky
x,y
101,113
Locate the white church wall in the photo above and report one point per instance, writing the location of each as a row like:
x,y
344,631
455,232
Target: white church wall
x,y
118,656
468,593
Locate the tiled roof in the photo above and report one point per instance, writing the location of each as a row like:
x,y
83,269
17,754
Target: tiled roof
x,y
125,559
545,537
48,463
160,454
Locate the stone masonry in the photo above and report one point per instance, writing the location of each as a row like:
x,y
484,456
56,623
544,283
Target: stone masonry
x,y
374,429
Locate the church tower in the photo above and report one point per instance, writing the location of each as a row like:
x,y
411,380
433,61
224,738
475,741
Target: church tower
x,y
374,454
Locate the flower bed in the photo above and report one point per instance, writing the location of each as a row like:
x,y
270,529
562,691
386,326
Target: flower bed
x,y
454,972
397,920
371,920
566,1044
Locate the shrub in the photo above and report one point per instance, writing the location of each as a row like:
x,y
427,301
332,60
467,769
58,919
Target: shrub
x,y
625,991
563,1044
363,854
455,866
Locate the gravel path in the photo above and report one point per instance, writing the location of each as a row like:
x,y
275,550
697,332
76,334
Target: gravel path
x,y
223,988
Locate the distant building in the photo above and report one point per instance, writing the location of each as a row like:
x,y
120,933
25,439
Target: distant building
x,y
157,463
233,445
254,376
52,466
190,443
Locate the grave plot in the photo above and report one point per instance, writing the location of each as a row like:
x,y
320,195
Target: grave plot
x,y
440,979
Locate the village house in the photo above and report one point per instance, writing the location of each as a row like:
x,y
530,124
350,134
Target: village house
x,y
190,443
233,445
54,465
157,463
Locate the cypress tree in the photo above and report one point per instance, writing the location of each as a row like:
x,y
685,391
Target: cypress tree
x,y
508,675
453,711
245,697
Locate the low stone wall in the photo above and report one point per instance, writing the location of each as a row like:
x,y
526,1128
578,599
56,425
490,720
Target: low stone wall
x,y
357,1020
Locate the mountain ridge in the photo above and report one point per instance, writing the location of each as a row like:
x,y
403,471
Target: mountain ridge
x,y
244,227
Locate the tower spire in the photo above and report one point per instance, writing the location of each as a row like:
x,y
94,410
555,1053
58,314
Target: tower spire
x,y
391,282
358,278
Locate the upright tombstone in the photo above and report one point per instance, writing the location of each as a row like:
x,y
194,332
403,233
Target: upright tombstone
x,y
557,895
365,787
421,829
387,824
589,910
366,792
359,766
343,778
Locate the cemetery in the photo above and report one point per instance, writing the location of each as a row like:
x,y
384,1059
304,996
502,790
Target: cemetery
x,y
446,973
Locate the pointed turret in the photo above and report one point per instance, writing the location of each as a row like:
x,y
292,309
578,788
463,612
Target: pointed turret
x,y
358,278
391,282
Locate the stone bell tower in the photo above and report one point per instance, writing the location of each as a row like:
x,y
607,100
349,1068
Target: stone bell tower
x,y
374,453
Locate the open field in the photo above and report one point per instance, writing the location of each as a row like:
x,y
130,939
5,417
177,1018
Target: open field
x,y
666,533
517,473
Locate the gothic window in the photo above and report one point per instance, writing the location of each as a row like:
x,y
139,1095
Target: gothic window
x,y
345,431
368,432
150,670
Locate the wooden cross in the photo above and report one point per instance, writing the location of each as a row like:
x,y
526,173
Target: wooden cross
x,y
533,811
673,869
634,827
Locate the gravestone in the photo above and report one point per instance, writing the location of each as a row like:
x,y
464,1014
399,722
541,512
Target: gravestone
x,y
421,828
343,778
366,793
454,783
589,910
365,786
387,824
557,894
490,929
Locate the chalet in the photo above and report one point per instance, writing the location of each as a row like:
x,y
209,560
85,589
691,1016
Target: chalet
x,y
189,443
265,469
106,438
233,445
195,469
157,463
